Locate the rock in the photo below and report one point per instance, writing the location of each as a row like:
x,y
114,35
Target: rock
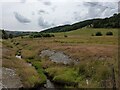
x,y
47,53
19,57
10,79
58,57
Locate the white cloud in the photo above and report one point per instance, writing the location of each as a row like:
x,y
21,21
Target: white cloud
x,y
43,14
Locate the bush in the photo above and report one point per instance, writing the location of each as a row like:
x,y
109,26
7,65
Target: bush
x,y
10,36
21,37
52,35
17,44
38,35
109,33
18,53
98,34
65,36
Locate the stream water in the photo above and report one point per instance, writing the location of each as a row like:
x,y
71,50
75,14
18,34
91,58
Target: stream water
x,y
19,57
49,84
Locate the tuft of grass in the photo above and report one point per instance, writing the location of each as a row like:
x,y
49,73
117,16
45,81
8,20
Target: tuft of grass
x,y
28,54
40,71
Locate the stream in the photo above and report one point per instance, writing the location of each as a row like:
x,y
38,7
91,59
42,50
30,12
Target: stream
x,y
49,83
58,57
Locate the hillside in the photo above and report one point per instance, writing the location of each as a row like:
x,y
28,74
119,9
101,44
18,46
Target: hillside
x,y
111,22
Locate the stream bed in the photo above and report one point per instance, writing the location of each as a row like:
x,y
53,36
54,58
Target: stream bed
x,y
58,57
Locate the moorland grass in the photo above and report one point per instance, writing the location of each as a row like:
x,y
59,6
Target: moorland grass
x,y
95,54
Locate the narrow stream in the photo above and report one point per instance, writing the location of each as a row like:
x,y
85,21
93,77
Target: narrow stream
x,y
48,84
58,57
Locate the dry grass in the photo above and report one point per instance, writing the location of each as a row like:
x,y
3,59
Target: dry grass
x,y
79,45
29,76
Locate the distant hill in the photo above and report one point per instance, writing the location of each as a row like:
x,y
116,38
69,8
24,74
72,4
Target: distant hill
x,y
18,33
10,34
111,22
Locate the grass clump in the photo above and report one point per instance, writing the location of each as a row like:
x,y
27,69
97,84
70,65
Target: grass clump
x,y
40,71
63,75
67,77
28,54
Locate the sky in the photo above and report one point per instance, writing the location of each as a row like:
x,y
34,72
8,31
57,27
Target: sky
x,y
38,15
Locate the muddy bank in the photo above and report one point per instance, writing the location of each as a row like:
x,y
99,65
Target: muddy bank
x,y
58,57
10,79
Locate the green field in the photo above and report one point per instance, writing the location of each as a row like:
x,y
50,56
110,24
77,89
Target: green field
x,y
88,32
85,36
96,54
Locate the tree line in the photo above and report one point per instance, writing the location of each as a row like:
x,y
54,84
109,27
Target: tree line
x,y
111,22
11,34
38,35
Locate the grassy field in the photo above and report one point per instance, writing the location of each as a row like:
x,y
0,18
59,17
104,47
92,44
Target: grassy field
x,y
96,55
85,36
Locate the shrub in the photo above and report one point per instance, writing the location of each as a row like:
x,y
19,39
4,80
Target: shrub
x,y
10,36
21,37
38,35
98,34
65,36
18,53
109,33
52,35
16,44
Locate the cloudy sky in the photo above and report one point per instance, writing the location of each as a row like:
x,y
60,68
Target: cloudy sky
x,y
37,15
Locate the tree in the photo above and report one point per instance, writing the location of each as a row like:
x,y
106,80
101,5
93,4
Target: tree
x,y
4,35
